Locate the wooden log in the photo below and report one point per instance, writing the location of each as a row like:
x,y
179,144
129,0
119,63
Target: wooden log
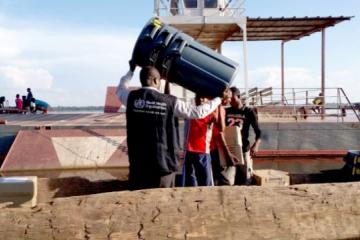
x,y
326,211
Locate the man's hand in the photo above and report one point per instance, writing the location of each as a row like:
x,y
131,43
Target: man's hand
x,y
233,160
132,65
253,150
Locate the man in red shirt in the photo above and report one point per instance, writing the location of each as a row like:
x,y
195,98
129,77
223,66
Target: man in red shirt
x,y
197,165
222,170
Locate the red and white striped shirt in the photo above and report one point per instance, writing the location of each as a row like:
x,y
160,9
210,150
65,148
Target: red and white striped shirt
x,y
199,134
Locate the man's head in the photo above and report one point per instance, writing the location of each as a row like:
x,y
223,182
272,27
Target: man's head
x,y
150,77
28,90
17,95
199,99
235,97
225,101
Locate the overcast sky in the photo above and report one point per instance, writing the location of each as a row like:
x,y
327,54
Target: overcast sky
x,y
69,51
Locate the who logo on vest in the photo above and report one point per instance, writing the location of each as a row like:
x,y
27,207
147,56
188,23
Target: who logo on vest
x,y
139,103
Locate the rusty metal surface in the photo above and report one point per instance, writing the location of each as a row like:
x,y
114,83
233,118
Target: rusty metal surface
x,y
34,148
63,120
67,149
301,153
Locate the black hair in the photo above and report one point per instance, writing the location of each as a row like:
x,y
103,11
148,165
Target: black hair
x,y
148,74
235,91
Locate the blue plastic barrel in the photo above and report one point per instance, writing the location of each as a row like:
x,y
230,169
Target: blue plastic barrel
x,y
151,43
142,53
162,41
182,60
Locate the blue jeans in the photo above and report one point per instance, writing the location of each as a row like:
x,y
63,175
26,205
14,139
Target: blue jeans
x,y
197,170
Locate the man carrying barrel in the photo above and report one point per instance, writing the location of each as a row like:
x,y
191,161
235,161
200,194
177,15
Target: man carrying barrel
x,y
152,128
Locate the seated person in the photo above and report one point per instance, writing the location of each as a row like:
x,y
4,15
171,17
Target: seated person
x,y
39,105
318,101
304,113
18,102
2,100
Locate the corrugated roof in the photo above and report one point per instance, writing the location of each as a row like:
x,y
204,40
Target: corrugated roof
x,y
285,29
259,29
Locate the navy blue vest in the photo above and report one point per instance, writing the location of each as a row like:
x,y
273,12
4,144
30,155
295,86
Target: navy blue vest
x,y
152,132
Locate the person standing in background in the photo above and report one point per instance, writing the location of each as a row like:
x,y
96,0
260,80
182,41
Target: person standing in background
x,y
27,100
197,169
29,95
243,116
222,171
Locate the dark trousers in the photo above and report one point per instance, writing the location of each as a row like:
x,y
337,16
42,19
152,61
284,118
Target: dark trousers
x,y
197,169
219,178
145,181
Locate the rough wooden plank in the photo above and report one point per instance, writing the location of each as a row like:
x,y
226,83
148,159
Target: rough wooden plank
x,y
328,211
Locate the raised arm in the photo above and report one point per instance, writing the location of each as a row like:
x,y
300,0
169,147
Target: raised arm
x,y
191,111
167,87
122,90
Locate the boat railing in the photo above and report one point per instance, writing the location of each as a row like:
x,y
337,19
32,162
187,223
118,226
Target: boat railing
x,y
298,104
301,101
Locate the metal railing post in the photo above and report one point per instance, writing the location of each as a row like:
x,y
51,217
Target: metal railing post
x,y
157,7
282,73
323,110
339,106
293,91
352,107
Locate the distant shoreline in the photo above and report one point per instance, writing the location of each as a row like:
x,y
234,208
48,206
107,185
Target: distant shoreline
x,y
77,109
